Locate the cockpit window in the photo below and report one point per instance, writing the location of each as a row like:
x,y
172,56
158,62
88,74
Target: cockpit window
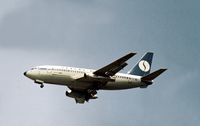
x,y
33,68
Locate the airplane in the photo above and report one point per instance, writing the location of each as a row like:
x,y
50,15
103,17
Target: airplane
x,y
84,83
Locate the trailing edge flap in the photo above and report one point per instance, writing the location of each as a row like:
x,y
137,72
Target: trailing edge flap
x,y
114,67
153,75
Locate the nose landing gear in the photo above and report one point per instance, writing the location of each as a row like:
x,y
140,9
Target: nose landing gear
x,y
39,82
42,85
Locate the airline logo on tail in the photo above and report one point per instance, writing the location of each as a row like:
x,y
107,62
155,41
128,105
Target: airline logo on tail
x,y
144,65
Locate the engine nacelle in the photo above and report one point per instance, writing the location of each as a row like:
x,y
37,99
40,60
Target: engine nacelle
x,y
75,94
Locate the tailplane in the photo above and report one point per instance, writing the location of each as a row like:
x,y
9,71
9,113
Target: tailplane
x,y
143,67
152,76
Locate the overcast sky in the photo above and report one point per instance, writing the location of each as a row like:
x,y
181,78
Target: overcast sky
x,y
91,34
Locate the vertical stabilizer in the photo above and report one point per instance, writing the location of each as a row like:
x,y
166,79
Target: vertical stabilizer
x,y
143,67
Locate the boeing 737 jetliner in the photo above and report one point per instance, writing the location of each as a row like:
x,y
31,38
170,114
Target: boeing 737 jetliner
x,y
84,83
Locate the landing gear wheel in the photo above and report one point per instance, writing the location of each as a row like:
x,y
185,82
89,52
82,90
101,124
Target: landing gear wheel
x,y
67,93
42,85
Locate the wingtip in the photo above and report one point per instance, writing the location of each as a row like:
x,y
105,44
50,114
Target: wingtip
x,y
132,53
149,52
164,69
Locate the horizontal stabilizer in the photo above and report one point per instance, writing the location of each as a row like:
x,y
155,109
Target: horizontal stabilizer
x,y
153,75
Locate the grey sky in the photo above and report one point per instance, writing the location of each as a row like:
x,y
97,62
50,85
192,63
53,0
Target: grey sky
x,y
90,34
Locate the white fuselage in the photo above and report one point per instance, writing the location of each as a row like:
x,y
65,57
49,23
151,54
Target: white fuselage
x,y
61,75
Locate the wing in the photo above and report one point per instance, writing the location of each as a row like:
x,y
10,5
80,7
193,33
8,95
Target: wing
x,y
114,67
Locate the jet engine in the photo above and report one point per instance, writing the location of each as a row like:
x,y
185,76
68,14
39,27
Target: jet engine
x,y
80,95
75,94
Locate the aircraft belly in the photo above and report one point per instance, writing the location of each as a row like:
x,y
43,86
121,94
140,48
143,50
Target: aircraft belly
x,y
56,79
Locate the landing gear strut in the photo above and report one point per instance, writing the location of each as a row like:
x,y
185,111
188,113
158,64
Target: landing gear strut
x,y
39,82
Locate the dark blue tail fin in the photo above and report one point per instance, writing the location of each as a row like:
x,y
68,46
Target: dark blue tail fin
x,y
143,67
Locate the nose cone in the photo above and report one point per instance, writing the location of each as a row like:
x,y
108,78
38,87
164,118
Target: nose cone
x,y
31,74
25,73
